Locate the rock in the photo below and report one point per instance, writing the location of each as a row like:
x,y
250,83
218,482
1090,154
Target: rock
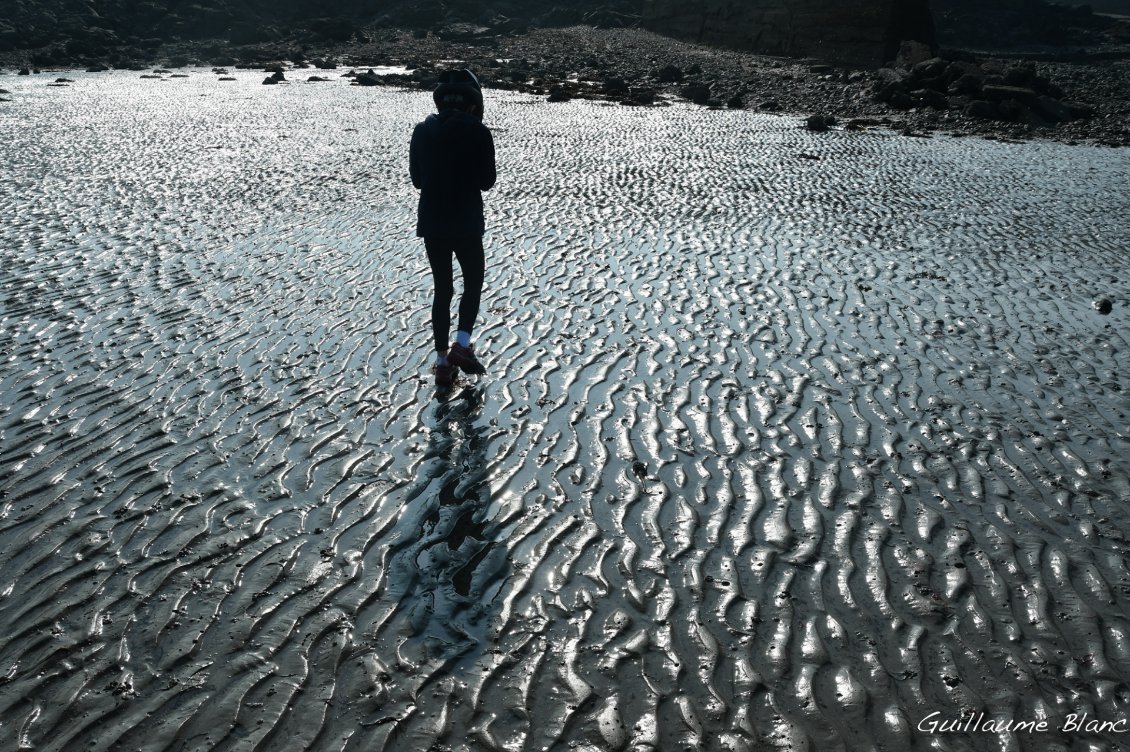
x,y
982,110
1053,110
770,105
98,68
1014,111
63,81
558,94
150,75
935,67
1103,305
930,98
817,123
911,53
669,74
1080,111
966,85
368,78
697,93
640,96
325,64
316,79
901,101
997,93
736,102
24,72
225,78
615,86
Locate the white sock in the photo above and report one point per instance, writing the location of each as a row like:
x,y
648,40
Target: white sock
x,y
441,360
463,338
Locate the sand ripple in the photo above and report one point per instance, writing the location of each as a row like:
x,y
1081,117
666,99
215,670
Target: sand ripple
x,y
790,439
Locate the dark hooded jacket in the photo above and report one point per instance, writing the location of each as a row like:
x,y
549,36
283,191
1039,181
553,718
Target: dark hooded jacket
x,y
451,159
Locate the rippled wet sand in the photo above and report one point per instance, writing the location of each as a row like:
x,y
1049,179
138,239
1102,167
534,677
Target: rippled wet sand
x,y
790,440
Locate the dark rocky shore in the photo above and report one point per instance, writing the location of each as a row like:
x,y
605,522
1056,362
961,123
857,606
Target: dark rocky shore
x,y
1062,94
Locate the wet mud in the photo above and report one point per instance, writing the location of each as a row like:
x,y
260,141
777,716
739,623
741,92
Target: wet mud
x,y
789,441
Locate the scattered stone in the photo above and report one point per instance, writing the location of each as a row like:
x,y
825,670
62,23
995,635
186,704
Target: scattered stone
x,y
1103,305
226,78
325,64
817,123
24,72
368,78
63,81
641,96
615,86
316,79
149,75
697,93
275,78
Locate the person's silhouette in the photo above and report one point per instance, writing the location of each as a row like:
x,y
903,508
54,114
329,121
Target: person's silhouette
x,y
451,161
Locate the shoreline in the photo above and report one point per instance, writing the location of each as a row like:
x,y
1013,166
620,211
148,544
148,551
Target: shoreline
x,y
1028,98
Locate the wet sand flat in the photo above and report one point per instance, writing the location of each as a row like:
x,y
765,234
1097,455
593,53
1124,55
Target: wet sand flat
x,y
791,441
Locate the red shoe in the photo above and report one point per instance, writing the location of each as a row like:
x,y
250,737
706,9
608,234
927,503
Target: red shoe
x,y
445,374
464,358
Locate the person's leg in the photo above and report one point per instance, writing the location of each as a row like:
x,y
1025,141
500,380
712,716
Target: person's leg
x,y
472,262
439,257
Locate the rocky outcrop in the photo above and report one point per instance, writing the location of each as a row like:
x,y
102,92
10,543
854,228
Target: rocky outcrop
x,y
866,32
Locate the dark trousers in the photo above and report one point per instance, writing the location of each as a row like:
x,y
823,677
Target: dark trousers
x,y
472,262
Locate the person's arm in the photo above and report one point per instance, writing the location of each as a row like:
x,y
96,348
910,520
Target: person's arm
x,y
487,171
415,168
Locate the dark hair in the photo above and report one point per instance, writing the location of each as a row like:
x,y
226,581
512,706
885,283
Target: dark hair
x,y
458,89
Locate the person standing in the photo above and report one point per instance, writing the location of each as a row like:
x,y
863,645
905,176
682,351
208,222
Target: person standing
x,y
451,161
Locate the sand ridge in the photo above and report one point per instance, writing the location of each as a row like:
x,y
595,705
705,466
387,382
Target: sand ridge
x,y
790,439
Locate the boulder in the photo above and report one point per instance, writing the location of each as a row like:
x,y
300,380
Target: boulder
x,y
967,85
24,72
982,109
817,123
368,78
997,93
930,98
669,74
615,86
736,102
1103,305
935,67
1052,110
697,93
911,53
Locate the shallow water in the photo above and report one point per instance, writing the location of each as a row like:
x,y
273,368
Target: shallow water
x,y
790,440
